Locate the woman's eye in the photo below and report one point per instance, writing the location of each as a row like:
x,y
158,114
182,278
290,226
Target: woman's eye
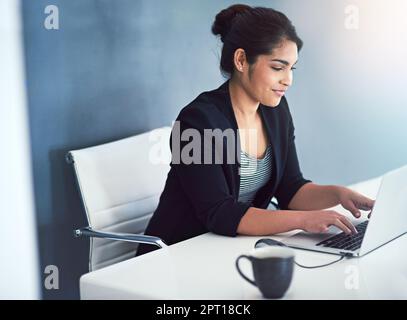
x,y
279,69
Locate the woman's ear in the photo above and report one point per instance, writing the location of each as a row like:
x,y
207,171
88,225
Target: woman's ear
x,y
239,60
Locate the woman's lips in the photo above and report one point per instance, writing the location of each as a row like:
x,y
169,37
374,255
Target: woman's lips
x,y
280,93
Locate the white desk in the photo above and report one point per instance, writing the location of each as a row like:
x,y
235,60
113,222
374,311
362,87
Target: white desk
x,y
204,268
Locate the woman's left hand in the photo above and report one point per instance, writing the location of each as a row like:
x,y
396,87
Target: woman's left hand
x,y
354,201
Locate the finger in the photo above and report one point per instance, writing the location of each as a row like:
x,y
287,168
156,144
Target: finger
x,y
352,208
349,224
342,226
365,204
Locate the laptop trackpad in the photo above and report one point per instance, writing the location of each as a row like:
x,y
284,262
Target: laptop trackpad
x,y
306,238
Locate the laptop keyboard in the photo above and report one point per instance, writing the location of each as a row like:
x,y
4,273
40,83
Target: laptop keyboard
x,y
345,241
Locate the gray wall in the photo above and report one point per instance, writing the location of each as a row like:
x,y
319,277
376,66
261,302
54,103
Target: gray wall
x,y
347,100
118,68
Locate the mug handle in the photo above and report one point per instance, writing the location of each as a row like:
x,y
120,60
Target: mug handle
x,y
241,273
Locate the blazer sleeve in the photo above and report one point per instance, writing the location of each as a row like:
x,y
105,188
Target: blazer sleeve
x,y
292,179
205,184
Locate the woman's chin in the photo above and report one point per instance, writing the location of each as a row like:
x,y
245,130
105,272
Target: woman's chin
x,y
272,102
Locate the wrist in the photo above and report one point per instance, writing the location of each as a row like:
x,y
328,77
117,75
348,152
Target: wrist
x,y
337,191
299,220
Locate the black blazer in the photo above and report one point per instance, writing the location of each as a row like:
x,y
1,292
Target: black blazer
x,y
198,198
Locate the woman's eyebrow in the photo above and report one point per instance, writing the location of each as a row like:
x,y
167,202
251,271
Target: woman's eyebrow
x,y
283,61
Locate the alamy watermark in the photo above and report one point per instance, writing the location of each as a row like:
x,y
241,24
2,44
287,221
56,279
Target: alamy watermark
x,y
351,21
352,278
51,21
209,146
51,280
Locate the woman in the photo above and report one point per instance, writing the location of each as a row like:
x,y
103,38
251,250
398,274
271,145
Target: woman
x,y
260,49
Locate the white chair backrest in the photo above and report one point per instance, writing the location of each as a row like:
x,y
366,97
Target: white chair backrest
x,y
120,183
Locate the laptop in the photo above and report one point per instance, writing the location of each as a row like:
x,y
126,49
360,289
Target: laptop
x,y
387,222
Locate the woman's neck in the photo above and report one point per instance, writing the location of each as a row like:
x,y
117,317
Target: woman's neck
x,y
243,105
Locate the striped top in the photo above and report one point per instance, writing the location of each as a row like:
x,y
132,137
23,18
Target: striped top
x,y
254,174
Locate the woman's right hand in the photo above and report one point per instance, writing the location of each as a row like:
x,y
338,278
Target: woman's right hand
x,y
319,221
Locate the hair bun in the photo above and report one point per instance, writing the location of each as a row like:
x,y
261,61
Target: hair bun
x,y
224,19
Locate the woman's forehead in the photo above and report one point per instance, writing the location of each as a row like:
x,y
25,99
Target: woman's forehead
x,y
287,51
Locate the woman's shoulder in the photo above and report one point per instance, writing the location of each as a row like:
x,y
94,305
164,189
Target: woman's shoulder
x,y
208,107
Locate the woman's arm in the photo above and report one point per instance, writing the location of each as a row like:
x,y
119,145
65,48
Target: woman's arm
x,y
315,197
260,222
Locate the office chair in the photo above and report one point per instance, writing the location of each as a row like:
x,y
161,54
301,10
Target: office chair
x,y
120,184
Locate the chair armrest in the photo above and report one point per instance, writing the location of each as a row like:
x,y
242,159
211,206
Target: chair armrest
x,y
129,237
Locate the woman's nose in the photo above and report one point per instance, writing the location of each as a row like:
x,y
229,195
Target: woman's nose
x,y
287,80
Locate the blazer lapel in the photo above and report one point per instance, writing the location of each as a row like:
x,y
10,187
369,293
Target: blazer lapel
x,y
272,132
227,110
272,126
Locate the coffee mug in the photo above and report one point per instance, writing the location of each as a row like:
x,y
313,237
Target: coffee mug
x,y
272,270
